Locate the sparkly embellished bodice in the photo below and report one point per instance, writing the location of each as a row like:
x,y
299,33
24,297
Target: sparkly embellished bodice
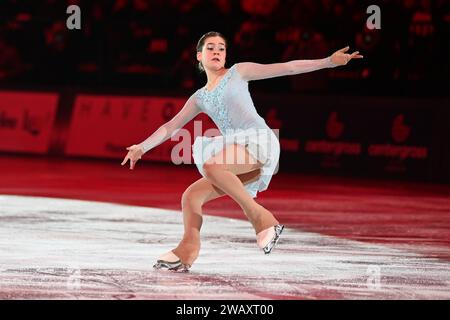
x,y
229,104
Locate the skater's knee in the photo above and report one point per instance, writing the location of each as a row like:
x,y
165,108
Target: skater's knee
x,y
190,199
211,169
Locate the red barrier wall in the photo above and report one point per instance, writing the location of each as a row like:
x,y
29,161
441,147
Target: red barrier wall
x,y
103,126
26,121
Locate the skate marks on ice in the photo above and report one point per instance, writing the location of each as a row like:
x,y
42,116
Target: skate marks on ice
x,y
69,249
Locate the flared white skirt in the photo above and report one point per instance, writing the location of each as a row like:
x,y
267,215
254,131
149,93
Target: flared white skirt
x,y
262,145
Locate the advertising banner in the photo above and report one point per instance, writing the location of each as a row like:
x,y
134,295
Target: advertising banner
x,y
104,126
26,121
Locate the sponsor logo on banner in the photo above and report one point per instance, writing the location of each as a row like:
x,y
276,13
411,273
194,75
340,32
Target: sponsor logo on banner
x,y
104,126
333,150
400,133
398,152
400,130
26,121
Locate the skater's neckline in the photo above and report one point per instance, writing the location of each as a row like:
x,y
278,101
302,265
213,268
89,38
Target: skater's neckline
x,y
220,82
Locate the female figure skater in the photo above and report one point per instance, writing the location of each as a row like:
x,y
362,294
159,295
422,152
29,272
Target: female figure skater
x,y
245,135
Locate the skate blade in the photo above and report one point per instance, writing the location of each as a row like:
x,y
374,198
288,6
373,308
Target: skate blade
x,y
269,247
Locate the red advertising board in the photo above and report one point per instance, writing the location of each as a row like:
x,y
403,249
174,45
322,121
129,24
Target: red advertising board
x,y
26,121
103,126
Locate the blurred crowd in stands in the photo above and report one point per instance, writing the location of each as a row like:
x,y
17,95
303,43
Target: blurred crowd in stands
x,y
151,43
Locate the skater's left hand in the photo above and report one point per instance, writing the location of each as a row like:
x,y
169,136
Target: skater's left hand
x,y
135,152
341,58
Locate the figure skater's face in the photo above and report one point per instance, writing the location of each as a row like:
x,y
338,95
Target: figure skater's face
x,y
213,54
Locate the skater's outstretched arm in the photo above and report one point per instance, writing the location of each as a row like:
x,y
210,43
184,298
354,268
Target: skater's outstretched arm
x,y
186,114
255,71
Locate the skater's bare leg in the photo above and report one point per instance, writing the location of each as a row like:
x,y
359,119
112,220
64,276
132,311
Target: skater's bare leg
x,y
193,199
223,169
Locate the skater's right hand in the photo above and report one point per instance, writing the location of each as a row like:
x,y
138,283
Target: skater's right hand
x,y
135,152
341,57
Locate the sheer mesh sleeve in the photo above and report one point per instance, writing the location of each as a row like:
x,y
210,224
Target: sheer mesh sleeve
x,y
256,71
186,114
